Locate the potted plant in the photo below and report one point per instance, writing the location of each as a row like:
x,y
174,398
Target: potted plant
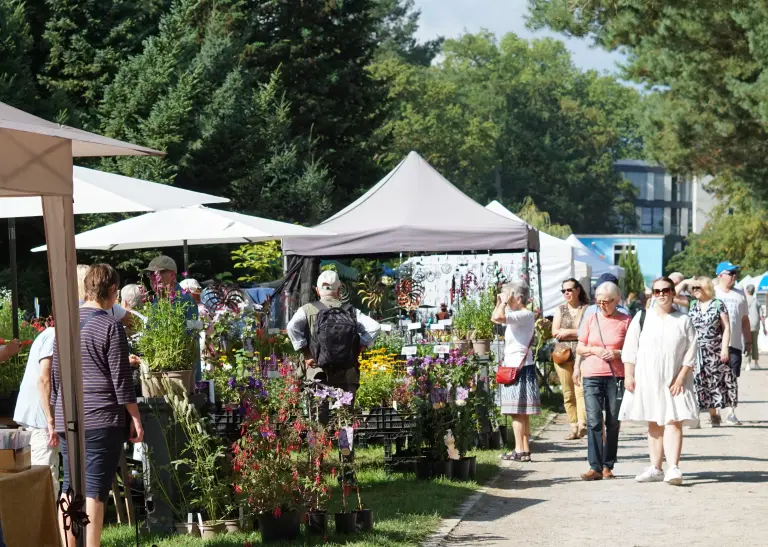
x,y
346,520
168,346
204,459
461,324
482,326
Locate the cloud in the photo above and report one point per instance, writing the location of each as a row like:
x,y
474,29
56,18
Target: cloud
x,y
450,18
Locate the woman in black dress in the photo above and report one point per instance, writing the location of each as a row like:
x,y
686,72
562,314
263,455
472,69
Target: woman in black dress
x,y
716,385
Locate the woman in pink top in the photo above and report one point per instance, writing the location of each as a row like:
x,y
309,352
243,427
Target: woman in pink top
x,y
600,346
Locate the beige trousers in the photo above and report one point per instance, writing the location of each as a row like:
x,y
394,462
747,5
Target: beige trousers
x,y
573,396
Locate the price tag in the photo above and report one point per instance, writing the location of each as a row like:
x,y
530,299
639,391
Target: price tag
x,y
404,322
442,349
446,321
437,327
386,327
409,350
414,326
274,331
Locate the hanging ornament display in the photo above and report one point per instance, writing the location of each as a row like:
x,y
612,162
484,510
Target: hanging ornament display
x,y
408,293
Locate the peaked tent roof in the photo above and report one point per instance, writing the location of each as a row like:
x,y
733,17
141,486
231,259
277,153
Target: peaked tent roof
x,y
414,209
582,253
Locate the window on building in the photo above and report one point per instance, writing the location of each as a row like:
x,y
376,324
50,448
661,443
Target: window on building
x,y
652,220
685,191
638,180
658,186
675,222
690,221
619,250
675,188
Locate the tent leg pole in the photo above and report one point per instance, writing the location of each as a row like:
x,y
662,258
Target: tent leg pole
x,y
186,256
14,277
538,274
526,267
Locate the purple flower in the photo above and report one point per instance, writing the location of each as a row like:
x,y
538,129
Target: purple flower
x,y
321,393
346,398
409,371
251,383
462,393
232,383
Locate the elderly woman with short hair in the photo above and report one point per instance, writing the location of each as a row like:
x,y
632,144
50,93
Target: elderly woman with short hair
x,y
521,399
600,346
659,355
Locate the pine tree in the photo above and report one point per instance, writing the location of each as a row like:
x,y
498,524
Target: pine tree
x,y
17,85
633,281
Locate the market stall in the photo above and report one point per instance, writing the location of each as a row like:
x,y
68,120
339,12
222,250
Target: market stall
x,y
37,161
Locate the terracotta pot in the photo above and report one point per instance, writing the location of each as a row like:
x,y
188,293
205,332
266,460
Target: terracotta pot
x,y
232,526
481,347
209,530
187,529
183,380
461,345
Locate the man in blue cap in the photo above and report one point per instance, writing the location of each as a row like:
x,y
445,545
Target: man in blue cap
x,y
738,315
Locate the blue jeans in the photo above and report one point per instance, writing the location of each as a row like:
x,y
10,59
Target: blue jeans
x,y
602,393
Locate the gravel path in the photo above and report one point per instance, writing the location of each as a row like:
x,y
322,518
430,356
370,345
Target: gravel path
x,y
724,501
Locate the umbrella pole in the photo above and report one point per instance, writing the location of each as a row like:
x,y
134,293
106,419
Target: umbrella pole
x,y
538,273
186,256
14,277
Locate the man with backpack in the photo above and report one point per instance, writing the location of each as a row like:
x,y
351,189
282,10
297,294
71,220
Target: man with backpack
x,y
331,335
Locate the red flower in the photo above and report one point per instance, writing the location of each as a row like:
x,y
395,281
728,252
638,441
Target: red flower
x,y
276,513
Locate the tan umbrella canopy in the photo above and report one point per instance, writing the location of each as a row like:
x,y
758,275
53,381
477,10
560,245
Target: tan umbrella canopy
x,y
36,160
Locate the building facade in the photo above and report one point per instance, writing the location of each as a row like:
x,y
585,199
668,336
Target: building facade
x,y
649,249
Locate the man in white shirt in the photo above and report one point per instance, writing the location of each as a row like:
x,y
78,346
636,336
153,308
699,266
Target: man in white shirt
x,y
736,303
33,407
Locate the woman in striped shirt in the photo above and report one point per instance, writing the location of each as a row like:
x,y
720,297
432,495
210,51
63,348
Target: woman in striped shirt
x,y
109,398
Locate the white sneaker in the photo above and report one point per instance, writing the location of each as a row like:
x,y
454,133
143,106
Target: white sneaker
x,y
697,425
732,420
673,476
651,474
755,366
749,366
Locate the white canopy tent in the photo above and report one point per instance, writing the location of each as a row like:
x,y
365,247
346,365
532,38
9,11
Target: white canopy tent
x,y
101,192
196,225
414,209
556,262
582,253
37,161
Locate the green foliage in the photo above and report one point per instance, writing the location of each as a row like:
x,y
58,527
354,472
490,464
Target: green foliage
x,y
376,389
17,85
514,118
262,260
166,344
540,219
633,281
704,61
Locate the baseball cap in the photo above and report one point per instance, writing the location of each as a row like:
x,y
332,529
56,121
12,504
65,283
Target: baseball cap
x,y
726,267
328,280
162,262
606,278
191,285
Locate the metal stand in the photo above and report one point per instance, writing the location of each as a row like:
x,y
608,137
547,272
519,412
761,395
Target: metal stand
x,y
14,277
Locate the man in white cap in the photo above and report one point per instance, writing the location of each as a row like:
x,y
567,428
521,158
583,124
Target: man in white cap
x,y
331,335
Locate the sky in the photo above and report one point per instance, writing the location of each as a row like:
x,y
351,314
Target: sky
x,y
450,18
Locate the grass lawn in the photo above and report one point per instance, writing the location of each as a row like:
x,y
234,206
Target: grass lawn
x,y
406,510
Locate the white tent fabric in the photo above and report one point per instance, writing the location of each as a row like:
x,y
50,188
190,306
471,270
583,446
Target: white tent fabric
x,y
37,161
556,262
197,225
101,192
414,209
582,253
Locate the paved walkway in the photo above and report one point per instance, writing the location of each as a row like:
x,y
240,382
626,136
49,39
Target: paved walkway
x,y
724,501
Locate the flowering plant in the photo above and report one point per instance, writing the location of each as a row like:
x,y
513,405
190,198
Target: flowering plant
x,y
167,342
12,372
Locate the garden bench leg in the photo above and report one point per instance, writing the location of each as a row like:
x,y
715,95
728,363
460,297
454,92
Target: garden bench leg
x,y
130,508
121,516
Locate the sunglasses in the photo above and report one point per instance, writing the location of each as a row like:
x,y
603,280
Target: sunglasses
x,y
565,291
696,288
732,273
603,302
666,291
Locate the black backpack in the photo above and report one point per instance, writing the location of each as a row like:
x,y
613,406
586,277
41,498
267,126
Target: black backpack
x,y
336,341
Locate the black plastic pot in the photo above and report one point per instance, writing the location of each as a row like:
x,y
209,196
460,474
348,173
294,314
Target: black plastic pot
x,y
504,430
483,440
285,527
8,404
423,469
472,467
494,443
461,469
317,522
365,520
346,523
443,468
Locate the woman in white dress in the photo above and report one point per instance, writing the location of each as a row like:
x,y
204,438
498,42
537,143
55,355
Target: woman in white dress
x,y
659,359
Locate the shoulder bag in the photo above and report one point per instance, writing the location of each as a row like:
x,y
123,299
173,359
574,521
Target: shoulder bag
x,y
619,381
506,376
563,353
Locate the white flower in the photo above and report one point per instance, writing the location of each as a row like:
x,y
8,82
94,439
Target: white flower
x,y
208,367
227,367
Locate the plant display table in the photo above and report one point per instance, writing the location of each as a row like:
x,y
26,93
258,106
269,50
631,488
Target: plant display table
x,y
27,508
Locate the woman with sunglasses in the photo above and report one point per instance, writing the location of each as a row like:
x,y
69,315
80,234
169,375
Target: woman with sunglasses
x,y
715,383
565,328
659,358
599,346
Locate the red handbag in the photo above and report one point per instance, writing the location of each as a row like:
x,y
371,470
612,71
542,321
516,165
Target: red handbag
x,y
507,376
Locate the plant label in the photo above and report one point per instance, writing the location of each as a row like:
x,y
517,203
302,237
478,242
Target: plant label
x,y
409,350
414,326
437,327
442,349
446,322
404,322
386,328
274,331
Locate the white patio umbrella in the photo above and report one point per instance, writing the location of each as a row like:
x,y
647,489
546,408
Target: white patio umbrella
x,y
36,160
196,225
